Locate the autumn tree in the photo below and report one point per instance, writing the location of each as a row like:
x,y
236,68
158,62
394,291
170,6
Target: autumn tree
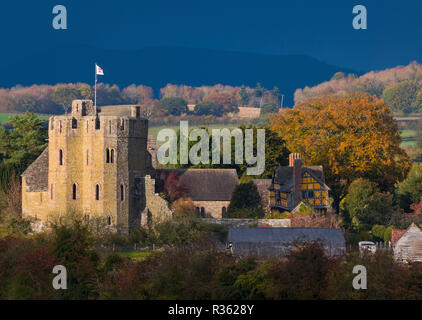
x,y
226,100
174,188
351,137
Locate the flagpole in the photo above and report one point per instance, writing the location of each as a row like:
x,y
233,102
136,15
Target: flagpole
x,y
95,88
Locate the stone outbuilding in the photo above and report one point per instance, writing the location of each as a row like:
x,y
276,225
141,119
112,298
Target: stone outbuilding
x,y
210,189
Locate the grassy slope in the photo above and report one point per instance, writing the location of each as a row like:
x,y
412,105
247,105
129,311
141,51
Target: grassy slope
x,y
136,255
4,117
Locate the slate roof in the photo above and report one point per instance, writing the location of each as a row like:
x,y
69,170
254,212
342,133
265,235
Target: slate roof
x,y
285,235
36,175
204,184
284,176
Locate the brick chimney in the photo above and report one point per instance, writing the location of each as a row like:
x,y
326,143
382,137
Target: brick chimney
x,y
295,161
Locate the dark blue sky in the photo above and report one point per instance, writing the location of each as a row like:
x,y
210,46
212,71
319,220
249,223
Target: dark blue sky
x,y
322,29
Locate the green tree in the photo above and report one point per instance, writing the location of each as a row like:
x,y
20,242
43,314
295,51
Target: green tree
x,y
371,87
244,97
401,96
409,191
25,142
208,108
259,90
269,108
245,202
174,105
417,104
365,206
64,95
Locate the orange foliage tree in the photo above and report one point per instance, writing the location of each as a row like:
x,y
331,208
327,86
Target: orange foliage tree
x,y
226,100
352,137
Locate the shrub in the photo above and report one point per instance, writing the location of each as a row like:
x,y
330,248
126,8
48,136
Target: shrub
x,y
174,106
245,202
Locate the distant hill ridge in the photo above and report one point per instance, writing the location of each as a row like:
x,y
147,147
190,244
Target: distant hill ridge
x,y
158,66
373,82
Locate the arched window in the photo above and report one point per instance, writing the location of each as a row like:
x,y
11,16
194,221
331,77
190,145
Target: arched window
x,y
122,192
109,220
87,157
112,156
97,192
61,157
202,212
108,155
74,190
122,124
51,192
197,211
224,212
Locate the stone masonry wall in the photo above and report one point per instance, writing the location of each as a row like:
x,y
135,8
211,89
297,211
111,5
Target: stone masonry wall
x,y
244,223
156,206
213,209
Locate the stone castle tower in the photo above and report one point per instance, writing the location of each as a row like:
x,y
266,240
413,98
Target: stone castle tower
x,y
96,165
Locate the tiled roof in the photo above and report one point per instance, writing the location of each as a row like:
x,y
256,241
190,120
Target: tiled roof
x,y
36,175
284,176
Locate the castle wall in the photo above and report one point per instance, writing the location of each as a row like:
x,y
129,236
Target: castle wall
x,y
96,167
34,204
156,206
212,208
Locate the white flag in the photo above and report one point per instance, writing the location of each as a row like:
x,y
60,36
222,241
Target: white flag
x,y
99,71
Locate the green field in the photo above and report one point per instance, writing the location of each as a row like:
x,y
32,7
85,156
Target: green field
x,y
136,255
407,133
408,143
4,117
